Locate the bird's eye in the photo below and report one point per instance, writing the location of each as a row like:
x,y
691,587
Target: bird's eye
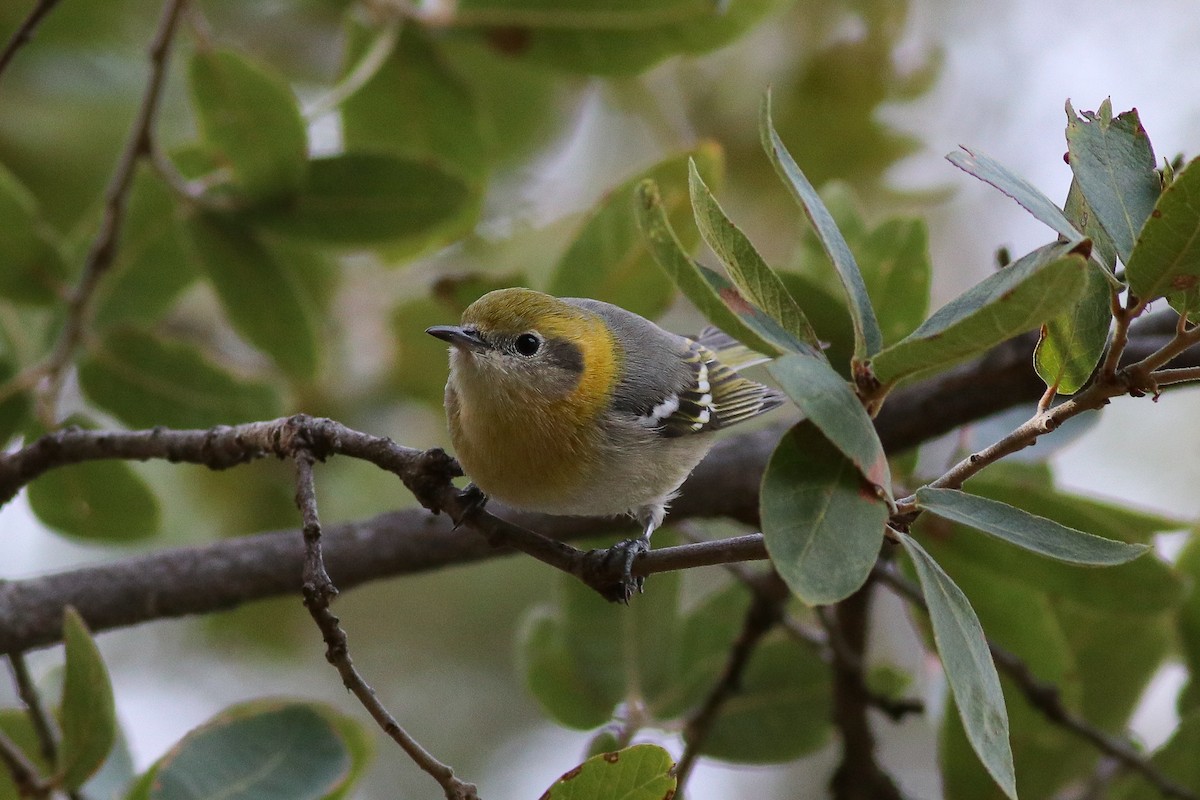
x,y
528,344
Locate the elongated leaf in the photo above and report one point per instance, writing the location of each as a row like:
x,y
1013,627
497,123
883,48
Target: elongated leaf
x,y
829,402
362,199
968,665
32,269
713,294
89,722
1033,533
640,772
1166,259
260,295
1114,165
988,170
757,282
145,381
1072,343
822,526
251,118
1021,296
867,337
609,259
100,500
266,750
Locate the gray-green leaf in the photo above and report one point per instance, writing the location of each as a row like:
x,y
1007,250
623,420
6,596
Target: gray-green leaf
x,y
1114,164
822,527
757,282
1013,300
987,169
968,665
1166,258
1029,531
867,337
829,402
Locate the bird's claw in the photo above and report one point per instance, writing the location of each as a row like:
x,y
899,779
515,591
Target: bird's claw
x,y
625,553
473,499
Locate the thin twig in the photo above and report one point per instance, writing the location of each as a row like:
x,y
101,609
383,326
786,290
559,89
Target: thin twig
x,y
318,592
24,33
1046,698
766,609
844,658
1168,377
103,249
24,773
38,718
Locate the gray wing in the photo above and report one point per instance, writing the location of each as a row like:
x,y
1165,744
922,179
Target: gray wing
x,y
690,390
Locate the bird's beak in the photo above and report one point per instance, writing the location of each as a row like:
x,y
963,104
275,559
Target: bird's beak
x,y
460,337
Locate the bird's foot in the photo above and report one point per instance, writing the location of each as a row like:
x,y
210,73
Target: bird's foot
x,y
473,500
622,555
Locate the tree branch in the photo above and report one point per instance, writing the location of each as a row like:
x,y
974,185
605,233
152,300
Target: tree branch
x,y
24,33
766,610
103,249
318,591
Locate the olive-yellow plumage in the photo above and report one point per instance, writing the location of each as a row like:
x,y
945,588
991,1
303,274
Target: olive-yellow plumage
x,y
574,406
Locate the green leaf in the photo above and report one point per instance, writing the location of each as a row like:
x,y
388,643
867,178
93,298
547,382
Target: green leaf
x,y
703,650
713,294
153,263
641,772
1114,164
365,199
867,337
1166,258
1029,531
414,105
585,655
99,500
968,666
1187,623
250,117
260,295
16,409
610,260
145,381
15,724
822,527
598,14
781,711
88,719
894,258
1028,196
757,282
359,744
830,404
634,38
1031,486
261,750
1019,297
32,269
1072,343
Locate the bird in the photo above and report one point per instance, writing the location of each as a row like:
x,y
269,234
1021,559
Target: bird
x,y
574,406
